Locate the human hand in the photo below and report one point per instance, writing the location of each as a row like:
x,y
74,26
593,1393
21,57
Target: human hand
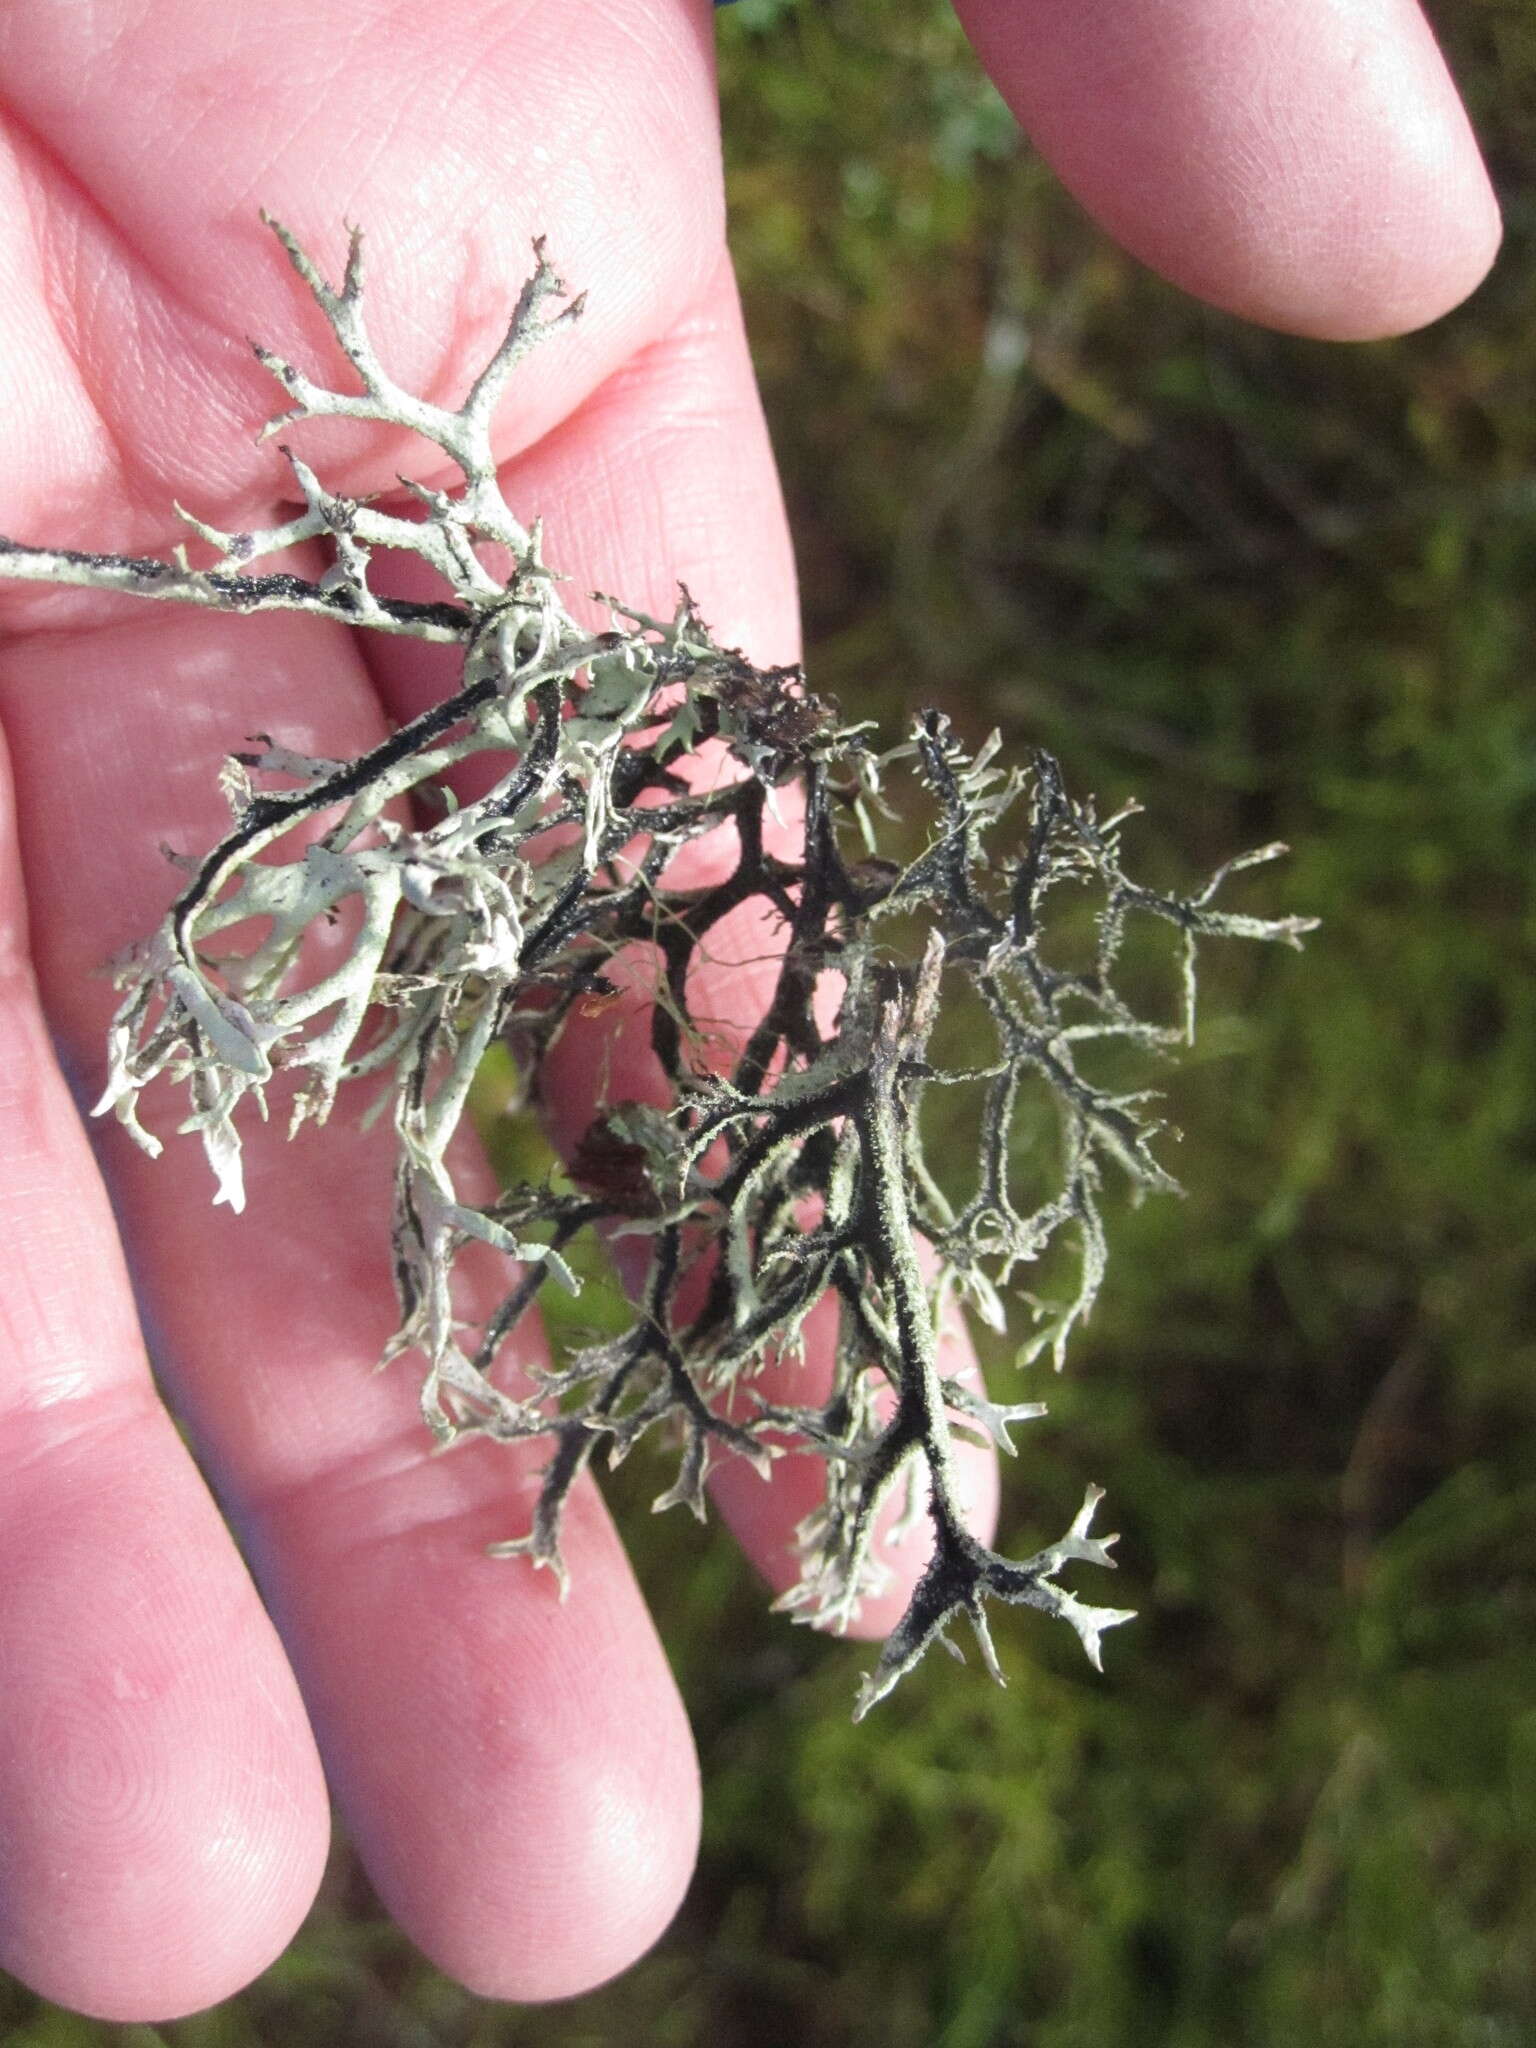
x,y
517,1775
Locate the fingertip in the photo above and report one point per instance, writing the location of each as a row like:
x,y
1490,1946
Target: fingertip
x,y
1310,168
608,1828
620,1880
516,1770
1414,267
1408,229
163,1820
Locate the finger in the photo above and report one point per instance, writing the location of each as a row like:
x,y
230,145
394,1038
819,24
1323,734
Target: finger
x,y
666,475
163,1820
1309,166
542,1863
517,1774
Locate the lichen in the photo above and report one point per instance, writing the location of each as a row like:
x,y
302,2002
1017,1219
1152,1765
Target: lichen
x,y
791,1162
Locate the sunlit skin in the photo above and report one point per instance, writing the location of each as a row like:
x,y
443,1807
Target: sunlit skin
x,y
518,1775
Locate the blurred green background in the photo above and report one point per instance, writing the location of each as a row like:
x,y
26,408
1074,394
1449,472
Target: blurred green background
x,y
1275,589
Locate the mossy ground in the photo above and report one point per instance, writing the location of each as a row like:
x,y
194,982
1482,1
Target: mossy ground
x,y
1275,589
